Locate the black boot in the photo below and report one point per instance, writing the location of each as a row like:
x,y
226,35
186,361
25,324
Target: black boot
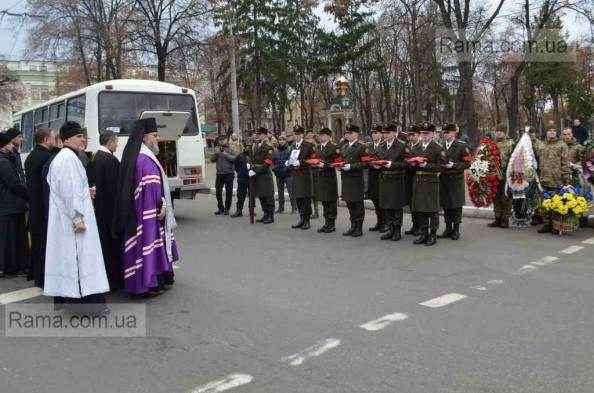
x,y
388,235
423,237
358,229
504,222
432,238
305,225
397,233
269,218
300,223
412,231
495,224
323,228
351,230
455,235
331,227
447,232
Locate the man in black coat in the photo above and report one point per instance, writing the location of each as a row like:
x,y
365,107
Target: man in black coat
x,y
301,151
375,149
260,160
325,181
580,132
45,141
104,169
452,188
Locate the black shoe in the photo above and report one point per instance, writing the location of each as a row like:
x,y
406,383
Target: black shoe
x,y
495,224
358,230
411,231
545,229
237,214
323,229
388,235
376,228
299,224
422,238
350,231
432,240
331,228
447,232
504,223
218,212
397,234
455,235
226,212
305,225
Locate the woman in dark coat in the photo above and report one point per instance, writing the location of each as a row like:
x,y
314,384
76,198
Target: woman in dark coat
x,y
14,196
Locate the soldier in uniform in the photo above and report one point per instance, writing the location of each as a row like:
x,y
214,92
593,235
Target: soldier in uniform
x,y
502,205
375,148
452,189
257,167
325,182
392,181
425,200
351,174
553,168
310,137
301,172
413,149
575,151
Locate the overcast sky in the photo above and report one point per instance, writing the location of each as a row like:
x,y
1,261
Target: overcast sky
x,y
13,32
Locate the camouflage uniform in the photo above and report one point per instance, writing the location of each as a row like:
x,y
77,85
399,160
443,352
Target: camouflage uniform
x,y
502,205
575,153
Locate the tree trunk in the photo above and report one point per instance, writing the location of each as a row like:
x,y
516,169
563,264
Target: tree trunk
x,y
466,108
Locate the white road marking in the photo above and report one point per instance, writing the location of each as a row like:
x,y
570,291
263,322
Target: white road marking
x,y
571,250
443,300
589,241
313,351
479,288
526,269
495,282
545,261
20,295
383,322
229,382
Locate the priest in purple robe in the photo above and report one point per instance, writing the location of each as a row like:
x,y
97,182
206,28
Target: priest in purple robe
x,y
144,214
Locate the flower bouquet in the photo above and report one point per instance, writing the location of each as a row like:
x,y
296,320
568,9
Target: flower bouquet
x,y
566,207
416,160
313,161
484,174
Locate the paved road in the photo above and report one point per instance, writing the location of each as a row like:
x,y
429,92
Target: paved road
x,y
282,310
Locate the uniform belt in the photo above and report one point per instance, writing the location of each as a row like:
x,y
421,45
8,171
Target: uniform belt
x,y
425,173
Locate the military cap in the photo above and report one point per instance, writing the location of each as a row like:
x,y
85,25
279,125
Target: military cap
x,y
261,130
449,127
390,127
326,131
377,128
414,129
353,128
427,127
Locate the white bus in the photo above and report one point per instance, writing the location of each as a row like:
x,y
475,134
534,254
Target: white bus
x,y
115,104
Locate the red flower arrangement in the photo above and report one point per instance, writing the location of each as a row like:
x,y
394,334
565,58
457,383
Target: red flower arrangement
x,y
416,160
268,162
484,175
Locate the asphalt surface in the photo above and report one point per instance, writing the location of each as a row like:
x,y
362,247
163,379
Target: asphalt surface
x,y
252,299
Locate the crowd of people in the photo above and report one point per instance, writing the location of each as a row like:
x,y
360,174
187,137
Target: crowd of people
x,y
81,226
417,167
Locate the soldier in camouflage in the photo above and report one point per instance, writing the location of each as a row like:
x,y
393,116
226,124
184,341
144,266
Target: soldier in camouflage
x,y
502,205
553,167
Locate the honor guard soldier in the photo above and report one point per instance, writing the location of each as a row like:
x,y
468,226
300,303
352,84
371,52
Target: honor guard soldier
x,y
260,157
351,174
301,151
325,182
392,181
414,144
452,189
425,200
375,149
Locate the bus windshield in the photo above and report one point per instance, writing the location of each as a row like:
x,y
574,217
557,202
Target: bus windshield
x,y
118,108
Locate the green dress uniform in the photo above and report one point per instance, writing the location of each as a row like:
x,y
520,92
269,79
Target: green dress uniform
x,y
263,184
413,150
302,182
426,201
502,204
375,149
326,185
353,187
392,186
452,188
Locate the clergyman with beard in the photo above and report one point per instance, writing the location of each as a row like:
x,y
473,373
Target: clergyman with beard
x,y
144,214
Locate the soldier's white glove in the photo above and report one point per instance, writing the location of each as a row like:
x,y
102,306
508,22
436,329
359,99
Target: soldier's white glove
x,y
248,166
251,173
423,164
288,163
296,163
450,165
346,167
388,164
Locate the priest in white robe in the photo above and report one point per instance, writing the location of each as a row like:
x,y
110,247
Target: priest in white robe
x,y
74,267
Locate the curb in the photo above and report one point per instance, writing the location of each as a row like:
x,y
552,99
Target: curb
x,y
467,211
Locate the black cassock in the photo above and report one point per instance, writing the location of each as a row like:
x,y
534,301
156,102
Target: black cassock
x,y
37,222
103,171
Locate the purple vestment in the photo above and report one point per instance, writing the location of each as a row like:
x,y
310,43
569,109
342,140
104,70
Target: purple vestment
x,y
145,257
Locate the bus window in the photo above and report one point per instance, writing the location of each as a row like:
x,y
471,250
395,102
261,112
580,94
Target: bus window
x,y
117,108
75,109
38,116
56,115
27,130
